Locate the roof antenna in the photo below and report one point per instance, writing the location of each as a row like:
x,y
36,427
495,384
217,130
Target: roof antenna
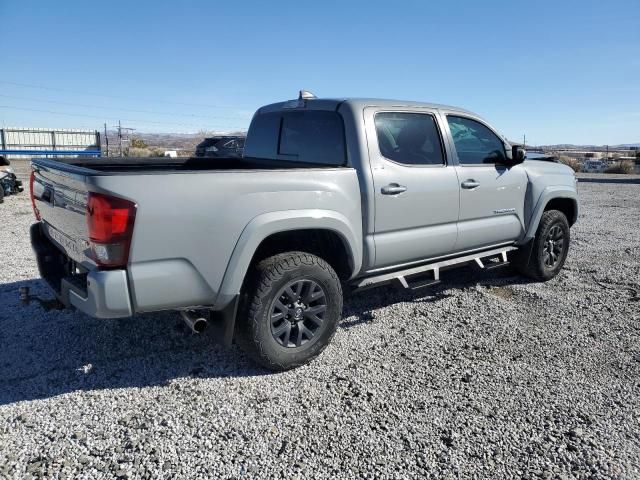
x,y
305,95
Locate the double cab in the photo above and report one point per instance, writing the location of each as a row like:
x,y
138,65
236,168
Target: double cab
x,y
330,195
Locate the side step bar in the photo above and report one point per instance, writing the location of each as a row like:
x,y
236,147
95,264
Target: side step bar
x,y
434,268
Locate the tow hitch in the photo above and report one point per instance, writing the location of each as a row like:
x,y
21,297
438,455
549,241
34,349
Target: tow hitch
x,y
46,304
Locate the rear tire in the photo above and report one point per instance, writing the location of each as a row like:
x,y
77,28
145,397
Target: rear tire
x,y
549,249
1,194
291,312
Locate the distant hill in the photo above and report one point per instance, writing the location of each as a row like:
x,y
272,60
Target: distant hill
x,y
628,145
570,146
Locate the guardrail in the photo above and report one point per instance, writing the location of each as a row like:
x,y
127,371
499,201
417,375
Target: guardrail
x,y
46,153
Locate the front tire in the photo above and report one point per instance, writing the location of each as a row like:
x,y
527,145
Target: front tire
x,y
292,310
550,248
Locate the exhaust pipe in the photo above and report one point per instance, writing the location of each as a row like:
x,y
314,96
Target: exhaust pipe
x,y
196,323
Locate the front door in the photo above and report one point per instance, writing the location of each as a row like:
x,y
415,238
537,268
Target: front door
x,y
416,189
491,195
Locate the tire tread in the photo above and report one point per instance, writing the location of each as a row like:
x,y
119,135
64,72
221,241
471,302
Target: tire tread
x,y
262,277
532,267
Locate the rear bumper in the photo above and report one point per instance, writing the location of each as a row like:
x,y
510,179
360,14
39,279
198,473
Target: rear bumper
x,y
98,293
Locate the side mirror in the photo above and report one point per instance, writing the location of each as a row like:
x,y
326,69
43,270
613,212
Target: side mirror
x,y
518,154
514,156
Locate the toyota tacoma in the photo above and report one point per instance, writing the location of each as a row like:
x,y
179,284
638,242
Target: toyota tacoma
x,y
330,195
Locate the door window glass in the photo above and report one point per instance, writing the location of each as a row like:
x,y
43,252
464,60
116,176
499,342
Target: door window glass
x,y
474,142
409,138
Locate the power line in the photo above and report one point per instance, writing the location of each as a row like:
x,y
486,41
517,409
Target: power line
x,y
42,87
102,118
153,112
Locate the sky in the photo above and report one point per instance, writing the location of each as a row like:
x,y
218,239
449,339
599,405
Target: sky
x,y
556,71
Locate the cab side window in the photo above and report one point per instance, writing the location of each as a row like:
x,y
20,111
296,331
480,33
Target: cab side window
x,y
409,138
475,143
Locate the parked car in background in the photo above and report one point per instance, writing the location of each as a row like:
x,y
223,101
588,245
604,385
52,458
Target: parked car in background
x,y
9,183
594,166
224,146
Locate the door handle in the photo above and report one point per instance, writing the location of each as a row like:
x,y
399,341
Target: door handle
x,y
469,184
393,189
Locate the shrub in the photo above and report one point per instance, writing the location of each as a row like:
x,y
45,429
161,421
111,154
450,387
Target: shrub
x,y
570,162
626,167
144,152
138,143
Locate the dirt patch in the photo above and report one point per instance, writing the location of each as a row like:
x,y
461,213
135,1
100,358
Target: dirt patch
x,y
506,293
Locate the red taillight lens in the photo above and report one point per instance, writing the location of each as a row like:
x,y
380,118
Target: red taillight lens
x,y
32,179
110,227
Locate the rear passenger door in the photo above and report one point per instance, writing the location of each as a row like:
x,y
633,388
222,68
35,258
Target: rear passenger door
x,y
491,195
416,188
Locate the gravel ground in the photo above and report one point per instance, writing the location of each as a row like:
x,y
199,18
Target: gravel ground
x,y
487,376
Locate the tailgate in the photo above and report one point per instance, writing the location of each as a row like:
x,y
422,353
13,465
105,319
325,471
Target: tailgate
x,y
61,199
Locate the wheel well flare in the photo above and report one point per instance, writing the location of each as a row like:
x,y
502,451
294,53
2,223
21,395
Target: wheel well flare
x,y
324,243
564,205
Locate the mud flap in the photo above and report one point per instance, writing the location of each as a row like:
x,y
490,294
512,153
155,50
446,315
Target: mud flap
x,y
522,255
224,322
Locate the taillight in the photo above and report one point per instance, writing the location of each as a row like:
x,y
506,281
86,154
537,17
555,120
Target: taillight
x,y
110,227
32,179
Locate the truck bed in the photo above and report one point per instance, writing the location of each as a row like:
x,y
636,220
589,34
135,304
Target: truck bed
x,y
156,165
191,216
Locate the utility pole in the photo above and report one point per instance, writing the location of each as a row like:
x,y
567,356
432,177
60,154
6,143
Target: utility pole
x,y
106,138
524,140
122,138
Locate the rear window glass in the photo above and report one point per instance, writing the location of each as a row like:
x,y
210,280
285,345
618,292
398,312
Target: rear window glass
x,y
311,137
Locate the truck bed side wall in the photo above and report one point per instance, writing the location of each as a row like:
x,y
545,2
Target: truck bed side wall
x,y
188,225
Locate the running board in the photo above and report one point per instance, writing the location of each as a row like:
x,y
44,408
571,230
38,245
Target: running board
x,y
502,263
400,277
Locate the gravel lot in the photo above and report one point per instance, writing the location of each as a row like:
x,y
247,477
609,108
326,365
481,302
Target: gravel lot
x,y
488,376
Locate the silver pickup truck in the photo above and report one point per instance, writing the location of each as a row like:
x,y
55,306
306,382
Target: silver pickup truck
x,y
330,195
